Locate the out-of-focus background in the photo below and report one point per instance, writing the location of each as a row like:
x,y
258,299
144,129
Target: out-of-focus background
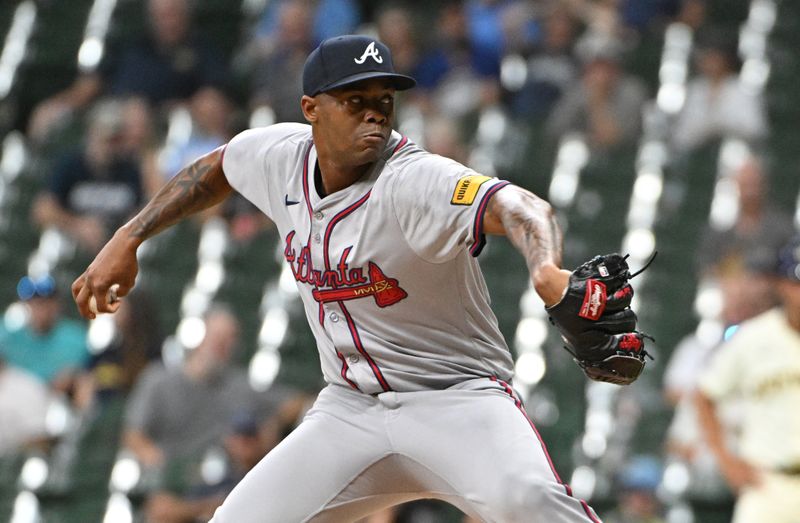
x,y
663,125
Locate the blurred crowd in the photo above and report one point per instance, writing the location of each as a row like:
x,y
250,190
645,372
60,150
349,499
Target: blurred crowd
x,y
552,68
158,101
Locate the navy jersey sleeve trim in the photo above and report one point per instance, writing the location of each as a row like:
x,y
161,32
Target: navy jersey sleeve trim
x,y
479,239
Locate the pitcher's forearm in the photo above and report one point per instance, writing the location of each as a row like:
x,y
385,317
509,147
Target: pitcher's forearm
x,y
528,222
197,187
530,225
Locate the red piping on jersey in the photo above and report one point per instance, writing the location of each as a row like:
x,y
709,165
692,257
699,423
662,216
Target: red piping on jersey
x,y
360,346
479,240
567,488
310,217
305,190
336,219
326,246
341,357
350,323
345,367
401,144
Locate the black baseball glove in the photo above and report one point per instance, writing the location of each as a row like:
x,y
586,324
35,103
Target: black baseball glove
x,y
596,322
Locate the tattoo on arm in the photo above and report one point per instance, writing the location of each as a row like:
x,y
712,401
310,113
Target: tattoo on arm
x,y
530,225
196,187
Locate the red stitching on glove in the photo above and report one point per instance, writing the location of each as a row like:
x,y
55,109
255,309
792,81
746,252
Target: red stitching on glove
x,y
630,342
623,292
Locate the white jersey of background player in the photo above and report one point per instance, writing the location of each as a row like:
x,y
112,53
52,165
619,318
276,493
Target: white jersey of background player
x,y
381,238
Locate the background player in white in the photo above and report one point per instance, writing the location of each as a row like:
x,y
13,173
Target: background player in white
x,y
760,365
381,237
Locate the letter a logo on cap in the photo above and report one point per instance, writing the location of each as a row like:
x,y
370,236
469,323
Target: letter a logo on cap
x,y
370,51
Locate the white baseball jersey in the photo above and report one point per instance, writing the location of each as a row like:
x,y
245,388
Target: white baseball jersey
x,y
761,363
386,267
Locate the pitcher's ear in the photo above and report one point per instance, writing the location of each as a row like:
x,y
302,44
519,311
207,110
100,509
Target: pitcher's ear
x,y
309,104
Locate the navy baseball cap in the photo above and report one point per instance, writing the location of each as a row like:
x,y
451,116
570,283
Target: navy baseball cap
x,y
343,60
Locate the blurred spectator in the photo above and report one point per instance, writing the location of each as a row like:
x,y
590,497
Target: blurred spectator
x,y
396,29
334,18
641,15
211,127
141,142
442,137
603,21
49,346
717,104
693,13
551,68
278,66
759,226
139,133
175,413
168,65
761,365
23,409
453,76
329,18
94,188
115,369
243,449
637,492
245,221
487,36
620,21
522,25
605,106
744,295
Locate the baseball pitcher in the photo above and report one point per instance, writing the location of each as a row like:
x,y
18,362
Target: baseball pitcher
x,y
382,238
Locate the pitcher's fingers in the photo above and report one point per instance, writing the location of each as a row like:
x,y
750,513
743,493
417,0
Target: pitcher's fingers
x,y
77,285
121,290
110,299
82,301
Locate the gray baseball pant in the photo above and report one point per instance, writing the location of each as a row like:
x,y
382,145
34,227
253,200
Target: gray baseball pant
x,y
471,445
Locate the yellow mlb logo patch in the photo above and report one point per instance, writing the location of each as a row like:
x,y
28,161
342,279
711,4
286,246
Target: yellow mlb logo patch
x,y
467,189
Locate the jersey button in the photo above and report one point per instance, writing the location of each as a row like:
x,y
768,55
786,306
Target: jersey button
x,y
317,238
334,317
318,215
353,358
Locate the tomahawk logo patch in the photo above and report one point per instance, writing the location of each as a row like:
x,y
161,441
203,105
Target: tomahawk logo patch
x,y
467,189
369,52
383,289
594,302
